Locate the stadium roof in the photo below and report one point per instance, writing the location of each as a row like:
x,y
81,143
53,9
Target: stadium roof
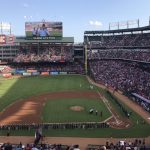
x,y
146,28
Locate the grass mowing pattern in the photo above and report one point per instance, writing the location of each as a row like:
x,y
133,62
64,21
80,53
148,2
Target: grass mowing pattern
x,y
15,89
12,90
59,110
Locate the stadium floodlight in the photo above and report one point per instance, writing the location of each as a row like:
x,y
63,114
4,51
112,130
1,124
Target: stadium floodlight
x,y
5,26
132,22
113,24
124,23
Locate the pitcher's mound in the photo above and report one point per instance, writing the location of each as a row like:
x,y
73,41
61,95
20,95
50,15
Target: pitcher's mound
x,y
77,108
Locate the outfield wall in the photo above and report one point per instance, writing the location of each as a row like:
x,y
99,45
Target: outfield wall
x,y
28,72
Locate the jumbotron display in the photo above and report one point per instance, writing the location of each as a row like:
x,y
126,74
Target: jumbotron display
x,y
43,30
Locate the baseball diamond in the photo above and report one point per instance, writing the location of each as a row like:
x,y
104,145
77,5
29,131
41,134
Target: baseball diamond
x,y
62,95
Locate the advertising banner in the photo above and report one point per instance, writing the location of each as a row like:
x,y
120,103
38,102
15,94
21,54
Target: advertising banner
x,y
44,73
7,75
2,39
10,39
63,73
72,72
20,71
35,73
31,70
26,74
54,73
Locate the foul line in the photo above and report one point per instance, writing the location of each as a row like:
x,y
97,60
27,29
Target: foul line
x,y
108,106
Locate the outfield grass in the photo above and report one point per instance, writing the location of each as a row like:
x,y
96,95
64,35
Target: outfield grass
x,y
59,110
12,90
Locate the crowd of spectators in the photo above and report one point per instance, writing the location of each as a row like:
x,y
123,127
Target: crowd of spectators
x,y
52,54
120,75
32,146
123,40
132,54
136,144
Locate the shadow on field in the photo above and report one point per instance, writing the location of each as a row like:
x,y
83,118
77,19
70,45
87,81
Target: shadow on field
x,y
17,89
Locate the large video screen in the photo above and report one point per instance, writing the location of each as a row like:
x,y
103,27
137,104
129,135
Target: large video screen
x,y
43,29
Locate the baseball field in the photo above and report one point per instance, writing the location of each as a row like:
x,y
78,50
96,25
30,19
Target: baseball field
x,y
65,99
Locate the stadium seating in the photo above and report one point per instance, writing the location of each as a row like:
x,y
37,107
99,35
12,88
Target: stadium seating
x,y
121,145
32,146
121,40
122,75
51,55
129,54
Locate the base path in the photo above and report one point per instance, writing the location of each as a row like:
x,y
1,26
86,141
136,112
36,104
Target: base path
x,y
29,110
134,106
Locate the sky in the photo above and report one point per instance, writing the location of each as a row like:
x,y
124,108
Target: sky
x,y
77,15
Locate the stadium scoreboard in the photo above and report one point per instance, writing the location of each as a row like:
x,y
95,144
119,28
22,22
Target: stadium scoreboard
x,y
43,30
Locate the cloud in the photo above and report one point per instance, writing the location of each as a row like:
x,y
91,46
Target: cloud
x,y
95,23
25,5
98,23
27,17
91,22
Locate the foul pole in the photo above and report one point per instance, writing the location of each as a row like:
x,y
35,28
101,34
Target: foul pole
x,y
85,49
